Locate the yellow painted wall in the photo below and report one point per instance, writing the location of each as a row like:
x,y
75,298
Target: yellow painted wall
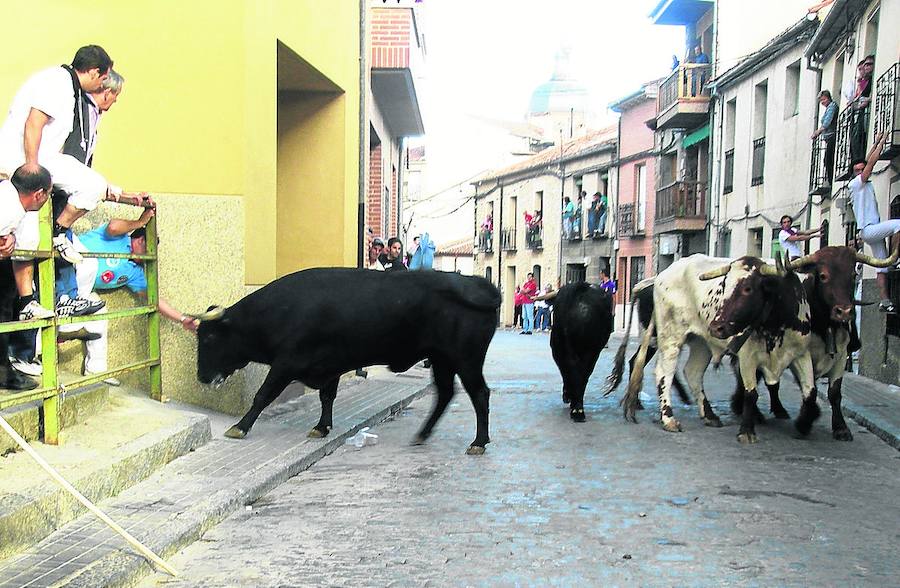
x,y
199,110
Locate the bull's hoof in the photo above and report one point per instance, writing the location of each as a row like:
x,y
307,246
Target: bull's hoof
x,y
629,415
712,421
747,438
317,433
577,415
639,405
235,433
672,426
842,435
565,397
475,450
417,440
781,414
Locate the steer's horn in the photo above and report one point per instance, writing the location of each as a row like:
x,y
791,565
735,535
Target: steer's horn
x,y
214,313
779,263
877,262
801,261
771,270
716,273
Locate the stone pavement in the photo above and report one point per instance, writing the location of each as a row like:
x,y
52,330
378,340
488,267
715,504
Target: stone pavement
x,y
176,505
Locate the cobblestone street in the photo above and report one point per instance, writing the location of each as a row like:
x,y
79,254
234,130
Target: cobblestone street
x,y
555,503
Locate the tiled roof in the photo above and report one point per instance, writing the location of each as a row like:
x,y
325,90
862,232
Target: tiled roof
x,y
593,141
457,248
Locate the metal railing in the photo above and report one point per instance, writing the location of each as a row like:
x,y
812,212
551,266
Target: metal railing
x,y
534,237
486,242
626,220
759,161
687,82
887,110
681,199
508,240
52,390
819,172
728,179
851,141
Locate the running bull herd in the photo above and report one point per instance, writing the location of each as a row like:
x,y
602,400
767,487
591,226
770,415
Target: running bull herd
x,y
314,325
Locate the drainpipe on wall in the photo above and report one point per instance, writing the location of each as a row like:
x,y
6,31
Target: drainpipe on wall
x,y
499,234
362,185
818,71
363,143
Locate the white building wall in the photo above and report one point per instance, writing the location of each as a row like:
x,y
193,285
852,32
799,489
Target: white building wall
x,y
787,155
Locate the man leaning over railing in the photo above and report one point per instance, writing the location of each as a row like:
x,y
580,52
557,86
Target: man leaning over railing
x,y
117,236
27,190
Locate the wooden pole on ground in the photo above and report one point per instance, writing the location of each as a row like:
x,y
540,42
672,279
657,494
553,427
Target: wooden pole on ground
x,y
87,503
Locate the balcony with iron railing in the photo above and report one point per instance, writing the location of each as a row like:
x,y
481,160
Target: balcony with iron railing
x,y
486,242
757,174
534,236
728,176
681,207
508,240
850,142
626,222
887,111
820,168
683,101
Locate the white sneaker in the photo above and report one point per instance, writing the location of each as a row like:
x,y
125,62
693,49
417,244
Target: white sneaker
x,y
66,249
33,368
33,311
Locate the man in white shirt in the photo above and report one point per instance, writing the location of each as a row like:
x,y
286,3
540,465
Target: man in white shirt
x,y
27,190
868,220
43,113
789,237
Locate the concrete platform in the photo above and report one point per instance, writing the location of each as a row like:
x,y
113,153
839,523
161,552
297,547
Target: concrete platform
x,y
176,505
106,452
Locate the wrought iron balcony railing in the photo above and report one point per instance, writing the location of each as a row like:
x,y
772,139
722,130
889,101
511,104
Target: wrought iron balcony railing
x,y
508,240
887,110
728,179
821,166
626,220
534,237
851,141
681,199
486,242
759,161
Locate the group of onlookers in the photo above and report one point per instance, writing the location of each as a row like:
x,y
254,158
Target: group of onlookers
x,y
572,215
533,311
47,146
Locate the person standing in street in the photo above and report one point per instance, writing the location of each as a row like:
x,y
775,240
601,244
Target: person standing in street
x,y
529,291
391,260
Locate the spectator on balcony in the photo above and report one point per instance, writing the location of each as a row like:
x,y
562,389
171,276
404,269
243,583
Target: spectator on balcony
x,y
698,56
593,214
862,96
568,212
826,131
577,214
789,237
604,211
487,228
675,62
872,229
535,229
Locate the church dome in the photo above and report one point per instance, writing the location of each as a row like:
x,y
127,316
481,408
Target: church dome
x,y
561,93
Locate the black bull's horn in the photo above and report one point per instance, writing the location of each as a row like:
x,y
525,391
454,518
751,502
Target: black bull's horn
x,y
212,314
547,296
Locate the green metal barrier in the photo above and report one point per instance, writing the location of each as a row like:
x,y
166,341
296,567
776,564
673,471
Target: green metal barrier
x,y
52,391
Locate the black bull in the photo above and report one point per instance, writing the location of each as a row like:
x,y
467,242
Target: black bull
x,y
314,325
582,324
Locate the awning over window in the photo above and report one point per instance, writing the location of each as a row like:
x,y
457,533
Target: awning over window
x,y
693,138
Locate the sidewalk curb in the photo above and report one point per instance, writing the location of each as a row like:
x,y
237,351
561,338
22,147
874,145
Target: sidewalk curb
x,y
875,425
123,568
